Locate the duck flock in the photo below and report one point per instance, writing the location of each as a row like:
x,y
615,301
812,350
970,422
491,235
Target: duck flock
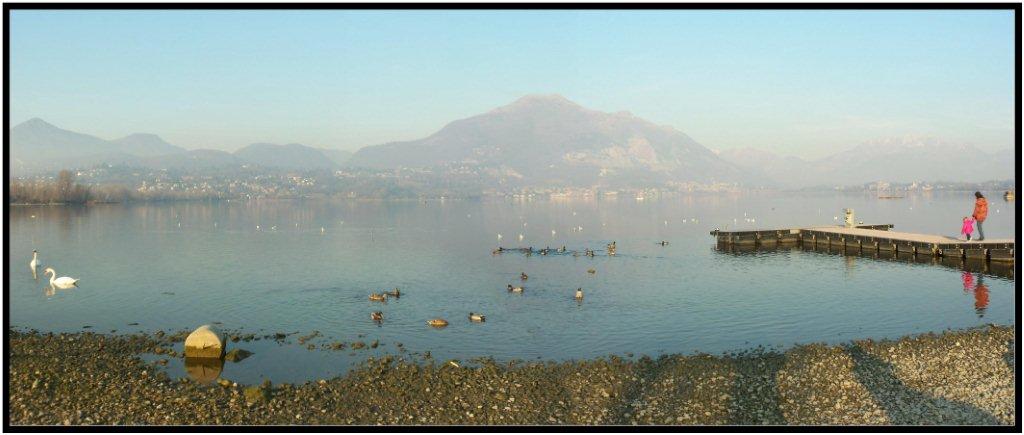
x,y
378,316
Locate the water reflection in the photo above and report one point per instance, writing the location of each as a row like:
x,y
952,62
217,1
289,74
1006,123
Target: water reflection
x,y
204,370
51,290
979,290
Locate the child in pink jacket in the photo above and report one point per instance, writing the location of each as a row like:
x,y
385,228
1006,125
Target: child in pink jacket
x,y
968,227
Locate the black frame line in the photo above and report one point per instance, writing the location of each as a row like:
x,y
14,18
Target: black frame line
x,y
28,6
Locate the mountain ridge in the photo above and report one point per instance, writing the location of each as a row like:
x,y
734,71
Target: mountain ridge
x,y
550,139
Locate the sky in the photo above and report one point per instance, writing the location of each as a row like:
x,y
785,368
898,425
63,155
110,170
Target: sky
x,y
804,83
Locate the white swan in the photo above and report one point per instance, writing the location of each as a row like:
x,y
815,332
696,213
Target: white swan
x,y
62,282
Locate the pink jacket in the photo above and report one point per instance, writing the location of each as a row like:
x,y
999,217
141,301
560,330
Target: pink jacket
x,y
968,226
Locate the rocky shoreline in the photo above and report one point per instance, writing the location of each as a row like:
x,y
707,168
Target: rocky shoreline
x,y
958,377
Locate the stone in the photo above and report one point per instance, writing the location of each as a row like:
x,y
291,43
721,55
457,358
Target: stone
x,y
256,393
204,342
237,355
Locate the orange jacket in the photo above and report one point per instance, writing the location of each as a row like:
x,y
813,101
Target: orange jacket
x,y
980,210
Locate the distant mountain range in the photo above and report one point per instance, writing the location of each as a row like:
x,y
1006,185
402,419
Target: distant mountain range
x,y
900,159
38,146
537,141
548,140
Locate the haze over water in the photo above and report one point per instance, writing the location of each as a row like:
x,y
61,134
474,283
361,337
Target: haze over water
x,y
176,266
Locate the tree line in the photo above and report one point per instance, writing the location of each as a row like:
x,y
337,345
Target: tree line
x,y
63,190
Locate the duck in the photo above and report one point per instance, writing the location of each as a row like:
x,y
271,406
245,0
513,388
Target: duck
x,y
477,317
523,276
579,294
437,323
591,271
663,243
396,293
515,289
377,316
378,297
35,260
62,282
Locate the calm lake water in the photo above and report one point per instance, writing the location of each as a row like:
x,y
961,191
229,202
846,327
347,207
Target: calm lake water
x,y
266,266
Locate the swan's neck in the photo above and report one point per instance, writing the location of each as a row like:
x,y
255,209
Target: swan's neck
x,y
34,255
53,275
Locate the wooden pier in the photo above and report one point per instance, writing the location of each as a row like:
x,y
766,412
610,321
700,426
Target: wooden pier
x,y
873,238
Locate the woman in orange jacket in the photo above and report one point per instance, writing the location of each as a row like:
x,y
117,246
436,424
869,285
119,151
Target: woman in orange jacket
x,y
980,213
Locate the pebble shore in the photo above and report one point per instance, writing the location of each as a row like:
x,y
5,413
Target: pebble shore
x,y
961,377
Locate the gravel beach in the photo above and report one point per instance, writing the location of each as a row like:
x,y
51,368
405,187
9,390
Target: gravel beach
x,y
958,377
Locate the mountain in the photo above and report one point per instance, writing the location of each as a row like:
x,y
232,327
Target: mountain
x,y
146,145
896,159
40,147
37,145
190,160
339,157
290,156
549,140
912,158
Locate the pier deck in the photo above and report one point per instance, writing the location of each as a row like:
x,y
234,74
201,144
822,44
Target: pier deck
x,y
874,238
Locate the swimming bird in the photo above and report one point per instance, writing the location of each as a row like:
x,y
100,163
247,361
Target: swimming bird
x,y
62,282
477,317
523,276
591,271
396,293
378,297
579,294
515,289
663,243
35,260
377,316
437,323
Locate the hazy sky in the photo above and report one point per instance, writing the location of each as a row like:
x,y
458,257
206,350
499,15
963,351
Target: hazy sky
x,y
805,83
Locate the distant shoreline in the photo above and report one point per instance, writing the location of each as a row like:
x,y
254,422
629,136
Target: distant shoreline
x,y
542,196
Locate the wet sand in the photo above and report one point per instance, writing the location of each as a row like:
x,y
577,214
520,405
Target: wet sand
x,y
959,377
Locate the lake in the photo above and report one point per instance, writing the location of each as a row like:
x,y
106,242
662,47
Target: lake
x,y
265,266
